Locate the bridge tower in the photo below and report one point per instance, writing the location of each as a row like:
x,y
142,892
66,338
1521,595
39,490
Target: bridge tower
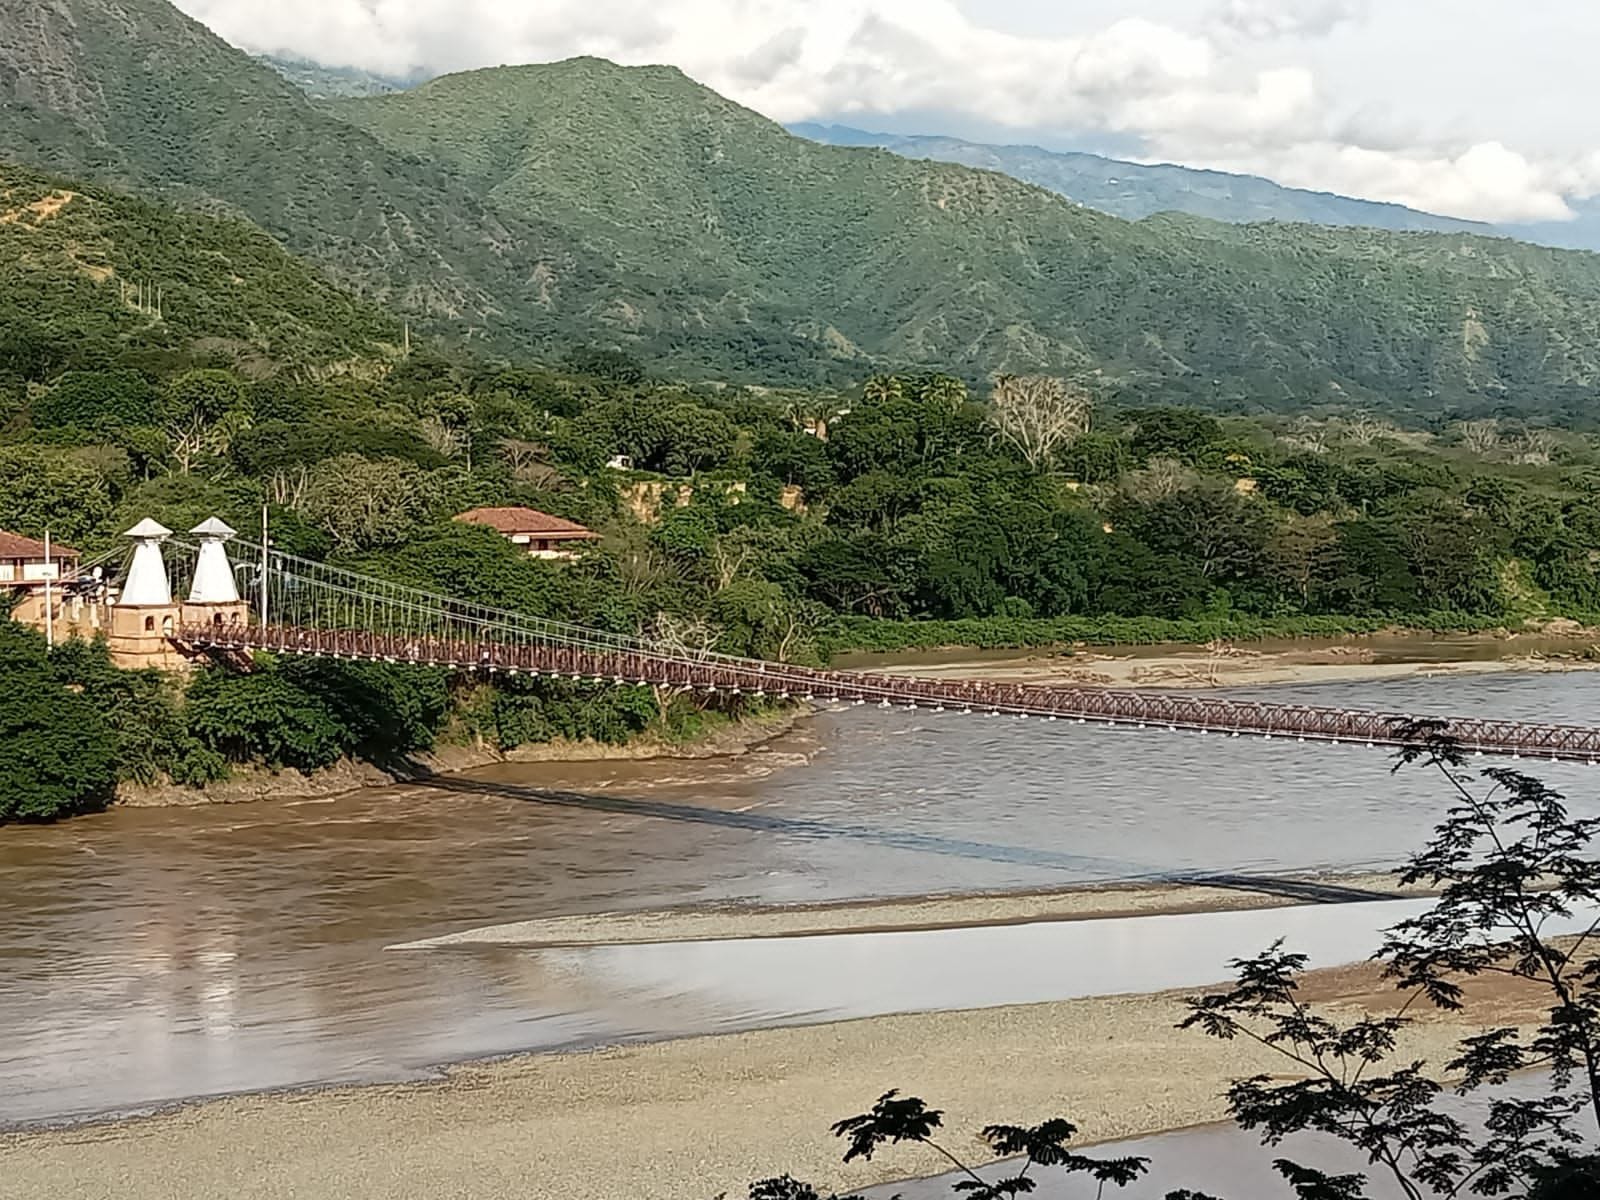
x,y
214,595
144,617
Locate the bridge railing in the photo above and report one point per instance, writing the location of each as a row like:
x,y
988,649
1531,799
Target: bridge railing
x,y
632,664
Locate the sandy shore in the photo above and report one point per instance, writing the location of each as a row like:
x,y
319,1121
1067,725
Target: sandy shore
x,y
1078,903
249,784
693,1119
1238,667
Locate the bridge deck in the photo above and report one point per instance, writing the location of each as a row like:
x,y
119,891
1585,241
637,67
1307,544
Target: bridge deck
x,y
1196,711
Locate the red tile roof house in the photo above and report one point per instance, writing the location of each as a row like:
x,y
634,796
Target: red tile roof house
x,y
542,535
22,574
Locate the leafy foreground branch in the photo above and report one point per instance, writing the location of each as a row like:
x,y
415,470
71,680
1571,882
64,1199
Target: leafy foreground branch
x,y
1518,888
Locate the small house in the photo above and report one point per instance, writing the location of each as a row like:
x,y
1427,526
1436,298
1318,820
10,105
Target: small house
x,y
539,533
24,572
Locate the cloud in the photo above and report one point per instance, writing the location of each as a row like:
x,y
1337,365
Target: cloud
x,y
1218,95
1272,19
1485,182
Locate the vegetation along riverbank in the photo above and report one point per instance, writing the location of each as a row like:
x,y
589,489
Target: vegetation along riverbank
x,y
728,523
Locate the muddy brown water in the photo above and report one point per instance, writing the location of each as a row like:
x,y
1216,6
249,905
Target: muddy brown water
x,y
150,955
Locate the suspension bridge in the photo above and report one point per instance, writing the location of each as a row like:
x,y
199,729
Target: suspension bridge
x,y
261,599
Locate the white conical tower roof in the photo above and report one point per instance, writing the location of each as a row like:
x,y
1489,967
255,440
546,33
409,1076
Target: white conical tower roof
x,y
213,573
214,527
147,577
149,528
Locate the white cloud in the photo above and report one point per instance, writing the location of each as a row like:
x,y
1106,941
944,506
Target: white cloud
x,y
1218,94
1486,182
1268,19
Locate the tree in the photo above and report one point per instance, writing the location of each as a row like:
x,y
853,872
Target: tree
x,y
1039,416
44,488
1180,433
695,439
1513,869
57,756
97,400
1481,437
363,503
758,619
1224,533
896,1118
1511,866
264,717
201,413
795,458
881,435
611,365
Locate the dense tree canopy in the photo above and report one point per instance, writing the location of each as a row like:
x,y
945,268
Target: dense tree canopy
x,y
784,525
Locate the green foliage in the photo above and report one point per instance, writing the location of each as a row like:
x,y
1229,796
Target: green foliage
x,y
93,400
263,717
471,562
136,94
61,491
57,756
309,713
74,261
1005,633
363,503
519,711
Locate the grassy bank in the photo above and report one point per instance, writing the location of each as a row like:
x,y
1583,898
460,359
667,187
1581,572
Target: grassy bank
x,y
1023,633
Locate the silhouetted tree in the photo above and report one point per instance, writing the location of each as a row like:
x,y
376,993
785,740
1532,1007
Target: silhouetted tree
x,y
1516,874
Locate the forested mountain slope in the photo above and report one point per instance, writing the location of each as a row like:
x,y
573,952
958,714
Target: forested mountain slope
x,y
921,261
134,93
90,278
538,207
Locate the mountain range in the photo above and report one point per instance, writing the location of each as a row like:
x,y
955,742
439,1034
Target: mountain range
x,y
1137,190
524,209
1110,185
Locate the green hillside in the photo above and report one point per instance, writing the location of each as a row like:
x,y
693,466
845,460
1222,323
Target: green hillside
x,y
89,277
538,207
925,262
134,93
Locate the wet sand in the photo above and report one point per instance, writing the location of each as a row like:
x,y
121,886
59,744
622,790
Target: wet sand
x,y
693,1119
1082,903
1237,667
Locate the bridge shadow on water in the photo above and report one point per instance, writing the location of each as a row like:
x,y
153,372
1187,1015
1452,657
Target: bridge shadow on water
x,y
1088,869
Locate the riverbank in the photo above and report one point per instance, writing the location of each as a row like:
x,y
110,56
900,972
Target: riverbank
x,y
1080,903
247,784
692,1119
1228,665
858,636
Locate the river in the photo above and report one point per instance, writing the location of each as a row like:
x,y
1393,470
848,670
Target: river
x,y
152,955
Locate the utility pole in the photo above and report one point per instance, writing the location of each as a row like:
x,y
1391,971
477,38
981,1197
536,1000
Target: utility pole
x,y
49,601
263,566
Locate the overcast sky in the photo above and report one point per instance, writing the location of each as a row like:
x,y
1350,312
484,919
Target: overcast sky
x,y
1475,108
